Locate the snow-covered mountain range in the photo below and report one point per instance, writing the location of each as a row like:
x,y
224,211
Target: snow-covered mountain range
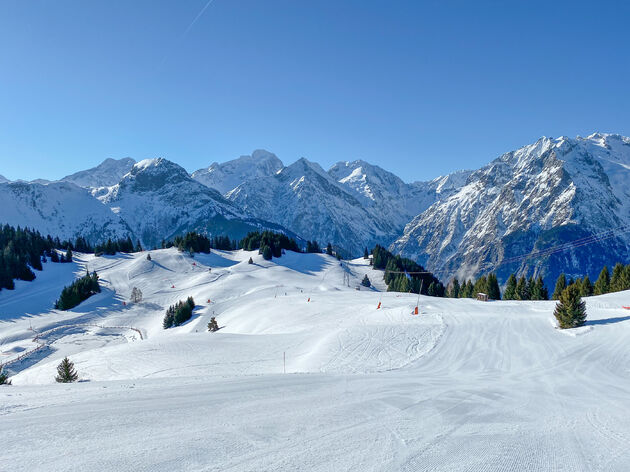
x,y
541,196
109,172
537,198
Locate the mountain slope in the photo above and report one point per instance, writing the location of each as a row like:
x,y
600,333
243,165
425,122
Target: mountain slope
x,y
538,197
60,209
158,200
308,201
229,175
107,173
386,197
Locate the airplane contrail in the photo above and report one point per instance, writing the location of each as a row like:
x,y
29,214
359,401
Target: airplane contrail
x,y
190,26
192,23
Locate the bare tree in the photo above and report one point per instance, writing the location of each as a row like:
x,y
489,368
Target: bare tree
x,y
136,295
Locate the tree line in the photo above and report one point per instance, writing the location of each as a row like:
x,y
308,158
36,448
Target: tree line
x,y
487,284
22,250
78,291
398,277
605,283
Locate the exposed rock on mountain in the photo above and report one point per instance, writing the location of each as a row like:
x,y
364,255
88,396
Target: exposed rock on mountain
x,y
538,197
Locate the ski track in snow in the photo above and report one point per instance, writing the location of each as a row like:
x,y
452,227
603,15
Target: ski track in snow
x,y
463,386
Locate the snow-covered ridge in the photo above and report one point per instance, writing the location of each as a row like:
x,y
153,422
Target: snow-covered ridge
x,y
542,195
109,172
465,222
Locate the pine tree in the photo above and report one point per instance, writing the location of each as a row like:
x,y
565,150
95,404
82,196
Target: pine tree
x,y
618,280
539,291
366,281
169,318
66,372
510,288
561,284
4,378
138,246
329,249
213,325
602,284
586,289
494,292
481,286
469,292
454,289
69,255
266,253
365,254
522,289
403,284
431,291
570,310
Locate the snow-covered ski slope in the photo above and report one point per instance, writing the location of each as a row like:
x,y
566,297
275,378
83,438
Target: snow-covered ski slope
x,y
465,385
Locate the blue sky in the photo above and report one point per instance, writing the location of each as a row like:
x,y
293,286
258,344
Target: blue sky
x,y
419,88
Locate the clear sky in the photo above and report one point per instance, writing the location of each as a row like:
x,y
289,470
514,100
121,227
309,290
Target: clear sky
x,y
419,88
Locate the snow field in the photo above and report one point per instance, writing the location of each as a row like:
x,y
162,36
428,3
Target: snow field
x,y
465,385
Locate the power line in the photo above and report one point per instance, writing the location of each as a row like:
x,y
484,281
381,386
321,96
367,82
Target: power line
x,y
580,242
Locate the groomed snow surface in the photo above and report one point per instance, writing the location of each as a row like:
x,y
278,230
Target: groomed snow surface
x,y
464,386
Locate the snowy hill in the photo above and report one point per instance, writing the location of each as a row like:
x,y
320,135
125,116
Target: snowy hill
x,y
107,173
538,197
3,179
465,385
60,209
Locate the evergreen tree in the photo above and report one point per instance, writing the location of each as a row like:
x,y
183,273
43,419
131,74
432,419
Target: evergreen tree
x,y
250,261
365,254
78,291
179,313
213,325
4,378
266,253
329,249
312,247
494,292
602,284
169,318
366,281
522,289
469,291
481,286
539,291
138,246
618,280
66,372
561,284
431,291
510,288
570,310
455,289
586,289
69,255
